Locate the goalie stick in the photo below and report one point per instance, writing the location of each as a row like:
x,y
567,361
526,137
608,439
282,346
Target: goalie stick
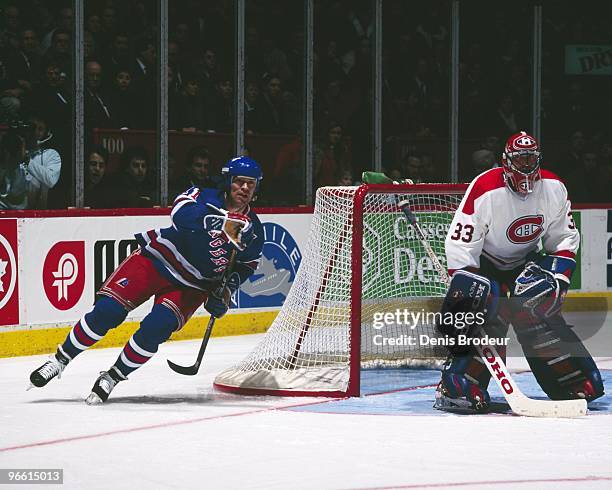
x,y
519,403
194,368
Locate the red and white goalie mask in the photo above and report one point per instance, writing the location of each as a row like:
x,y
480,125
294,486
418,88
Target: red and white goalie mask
x,y
521,162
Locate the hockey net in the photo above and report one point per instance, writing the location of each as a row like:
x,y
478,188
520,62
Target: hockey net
x,y
363,273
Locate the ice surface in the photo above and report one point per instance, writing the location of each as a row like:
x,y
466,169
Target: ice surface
x,y
164,430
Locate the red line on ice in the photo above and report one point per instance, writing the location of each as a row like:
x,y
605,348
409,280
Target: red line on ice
x,y
491,482
148,427
190,421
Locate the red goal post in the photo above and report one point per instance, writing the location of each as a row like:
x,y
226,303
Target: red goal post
x,y
347,310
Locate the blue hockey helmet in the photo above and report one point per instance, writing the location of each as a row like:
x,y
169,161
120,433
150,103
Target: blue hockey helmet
x,y
241,167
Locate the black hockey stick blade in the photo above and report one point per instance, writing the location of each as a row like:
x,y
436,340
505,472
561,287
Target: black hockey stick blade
x,y
186,370
191,370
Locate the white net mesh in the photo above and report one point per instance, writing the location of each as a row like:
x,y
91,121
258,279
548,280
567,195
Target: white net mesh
x,y
308,347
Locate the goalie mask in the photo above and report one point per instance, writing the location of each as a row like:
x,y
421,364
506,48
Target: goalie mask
x,y
521,163
241,167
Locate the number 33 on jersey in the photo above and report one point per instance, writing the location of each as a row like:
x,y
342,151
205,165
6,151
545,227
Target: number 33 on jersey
x,y
495,222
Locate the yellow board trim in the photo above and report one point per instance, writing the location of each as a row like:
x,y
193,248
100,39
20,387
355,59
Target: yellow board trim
x,y
588,302
45,341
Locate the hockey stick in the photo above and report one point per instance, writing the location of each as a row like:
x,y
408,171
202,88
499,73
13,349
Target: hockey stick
x,y
519,403
193,369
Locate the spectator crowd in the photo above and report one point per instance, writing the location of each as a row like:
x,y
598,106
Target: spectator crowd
x,y
120,78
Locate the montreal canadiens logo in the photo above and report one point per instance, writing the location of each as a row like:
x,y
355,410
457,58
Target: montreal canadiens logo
x,y
525,229
64,274
272,280
524,142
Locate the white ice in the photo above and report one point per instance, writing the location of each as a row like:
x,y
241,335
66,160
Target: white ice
x,y
163,430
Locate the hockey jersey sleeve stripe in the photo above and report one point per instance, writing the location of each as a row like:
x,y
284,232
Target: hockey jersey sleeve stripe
x,y
565,253
486,182
168,260
175,254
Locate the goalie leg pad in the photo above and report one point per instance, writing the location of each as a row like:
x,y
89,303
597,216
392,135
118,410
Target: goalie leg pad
x,y
470,300
560,362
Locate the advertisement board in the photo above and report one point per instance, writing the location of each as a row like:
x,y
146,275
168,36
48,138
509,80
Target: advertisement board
x,y
67,259
51,267
9,273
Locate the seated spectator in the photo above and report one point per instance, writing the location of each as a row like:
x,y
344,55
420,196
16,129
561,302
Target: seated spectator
x,y
13,193
412,118
603,192
97,108
197,172
481,160
505,118
25,65
133,187
271,112
11,93
415,168
118,53
395,174
122,100
331,157
144,81
52,99
571,159
89,47
582,180
189,110
60,52
346,178
220,114
287,174
251,95
44,165
97,187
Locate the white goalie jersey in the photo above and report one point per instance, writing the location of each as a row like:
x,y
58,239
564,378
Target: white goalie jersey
x,y
494,222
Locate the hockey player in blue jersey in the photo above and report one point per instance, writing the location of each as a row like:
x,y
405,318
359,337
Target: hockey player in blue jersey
x,y
180,266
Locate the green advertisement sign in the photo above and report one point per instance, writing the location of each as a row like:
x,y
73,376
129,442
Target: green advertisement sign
x,y
395,264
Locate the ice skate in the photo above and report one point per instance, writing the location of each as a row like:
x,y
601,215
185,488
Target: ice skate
x,y
49,370
104,385
476,401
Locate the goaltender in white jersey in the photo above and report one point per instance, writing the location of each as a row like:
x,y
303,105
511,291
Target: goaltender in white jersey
x,y
496,222
510,252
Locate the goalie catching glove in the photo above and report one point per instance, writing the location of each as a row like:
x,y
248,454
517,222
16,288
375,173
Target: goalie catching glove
x,y
219,299
540,291
237,228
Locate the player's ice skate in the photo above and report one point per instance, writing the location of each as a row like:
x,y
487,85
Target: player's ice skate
x,y
104,385
49,370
